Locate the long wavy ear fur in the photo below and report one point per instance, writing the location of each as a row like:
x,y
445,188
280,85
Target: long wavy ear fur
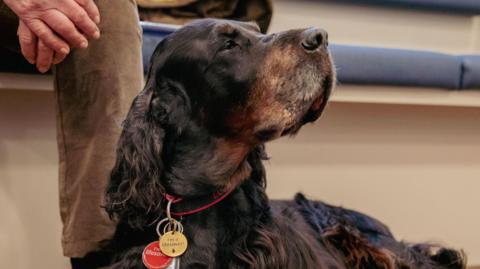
x,y
135,188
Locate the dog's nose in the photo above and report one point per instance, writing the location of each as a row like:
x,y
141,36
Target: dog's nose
x,y
314,38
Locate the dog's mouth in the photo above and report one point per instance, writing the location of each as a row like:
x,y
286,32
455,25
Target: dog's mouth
x,y
314,110
312,114
300,98
300,113
319,103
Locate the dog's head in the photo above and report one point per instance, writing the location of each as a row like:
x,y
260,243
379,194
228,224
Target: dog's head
x,y
242,84
221,81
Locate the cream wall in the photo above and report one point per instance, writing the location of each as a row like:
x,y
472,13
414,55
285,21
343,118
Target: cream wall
x,y
381,26
30,222
410,157
414,167
417,168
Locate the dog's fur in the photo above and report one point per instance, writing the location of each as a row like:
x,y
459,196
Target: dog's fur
x,y
216,92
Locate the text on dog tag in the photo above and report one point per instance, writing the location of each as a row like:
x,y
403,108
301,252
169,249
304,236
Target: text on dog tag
x,y
173,243
153,258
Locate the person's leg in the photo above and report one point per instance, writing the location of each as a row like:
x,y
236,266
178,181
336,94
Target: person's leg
x,y
94,89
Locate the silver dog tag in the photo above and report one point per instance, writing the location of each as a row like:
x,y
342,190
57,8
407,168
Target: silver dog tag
x,y
175,264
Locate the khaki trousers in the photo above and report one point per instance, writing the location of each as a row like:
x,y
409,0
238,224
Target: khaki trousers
x,y
93,89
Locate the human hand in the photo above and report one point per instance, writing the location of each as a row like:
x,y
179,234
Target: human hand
x,y
59,24
36,51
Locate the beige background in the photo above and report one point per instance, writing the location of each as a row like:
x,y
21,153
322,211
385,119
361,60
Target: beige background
x,y
382,26
415,167
409,157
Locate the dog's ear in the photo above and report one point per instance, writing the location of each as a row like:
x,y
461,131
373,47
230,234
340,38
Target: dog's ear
x,y
158,114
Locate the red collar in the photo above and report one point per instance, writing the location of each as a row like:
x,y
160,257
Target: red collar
x,y
216,198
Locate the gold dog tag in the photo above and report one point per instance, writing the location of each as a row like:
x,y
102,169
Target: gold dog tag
x,y
173,243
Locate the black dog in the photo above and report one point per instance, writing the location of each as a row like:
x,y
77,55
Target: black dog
x,y
216,92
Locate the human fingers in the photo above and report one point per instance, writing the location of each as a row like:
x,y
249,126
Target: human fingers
x,y
65,28
28,42
91,9
44,57
58,58
80,18
49,38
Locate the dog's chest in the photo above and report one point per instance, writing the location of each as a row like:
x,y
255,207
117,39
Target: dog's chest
x,y
202,247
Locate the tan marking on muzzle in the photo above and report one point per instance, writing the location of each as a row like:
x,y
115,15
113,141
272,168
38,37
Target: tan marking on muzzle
x,y
264,106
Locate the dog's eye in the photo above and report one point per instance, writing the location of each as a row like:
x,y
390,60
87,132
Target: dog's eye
x,y
229,44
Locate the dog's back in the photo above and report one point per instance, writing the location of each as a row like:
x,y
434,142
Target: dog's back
x,y
363,241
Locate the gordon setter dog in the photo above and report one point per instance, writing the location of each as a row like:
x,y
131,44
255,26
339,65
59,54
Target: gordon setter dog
x,y
193,141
